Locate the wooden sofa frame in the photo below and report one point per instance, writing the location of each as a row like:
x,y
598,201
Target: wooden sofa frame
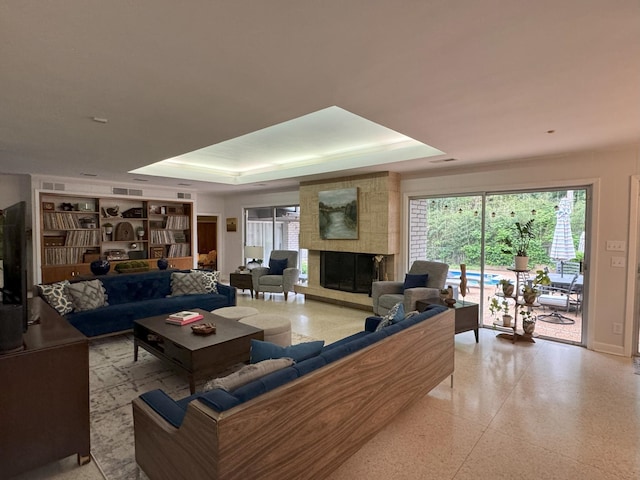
x,y
305,428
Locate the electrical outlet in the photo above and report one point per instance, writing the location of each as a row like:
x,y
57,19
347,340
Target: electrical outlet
x,y
618,262
616,245
617,328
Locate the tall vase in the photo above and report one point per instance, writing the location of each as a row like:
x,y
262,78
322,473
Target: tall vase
x,y
463,280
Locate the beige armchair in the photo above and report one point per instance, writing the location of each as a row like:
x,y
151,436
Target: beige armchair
x,y
386,294
264,279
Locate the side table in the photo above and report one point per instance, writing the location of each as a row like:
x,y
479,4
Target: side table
x,y
466,314
241,280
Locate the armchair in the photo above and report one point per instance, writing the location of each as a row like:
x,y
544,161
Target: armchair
x,y
279,277
386,294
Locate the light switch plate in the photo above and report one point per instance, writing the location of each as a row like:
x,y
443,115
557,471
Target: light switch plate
x,y
616,245
618,262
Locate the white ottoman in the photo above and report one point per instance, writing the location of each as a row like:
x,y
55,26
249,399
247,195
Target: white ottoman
x,y
235,313
277,329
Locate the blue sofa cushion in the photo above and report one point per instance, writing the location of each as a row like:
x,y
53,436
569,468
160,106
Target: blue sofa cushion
x,y
126,288
261,350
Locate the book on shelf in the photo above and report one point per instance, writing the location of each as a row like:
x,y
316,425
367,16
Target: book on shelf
x,y
184,317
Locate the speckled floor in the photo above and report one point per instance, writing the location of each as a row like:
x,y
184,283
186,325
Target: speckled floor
x,y
525,411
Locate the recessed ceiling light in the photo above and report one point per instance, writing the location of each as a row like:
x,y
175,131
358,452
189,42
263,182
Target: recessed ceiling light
x,y
140,180
90,174
184,184
100,119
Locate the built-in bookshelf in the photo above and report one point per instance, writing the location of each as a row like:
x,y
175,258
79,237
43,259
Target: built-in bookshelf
x,y
77,230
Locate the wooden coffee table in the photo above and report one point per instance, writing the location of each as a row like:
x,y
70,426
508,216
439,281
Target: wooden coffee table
x,y
195,355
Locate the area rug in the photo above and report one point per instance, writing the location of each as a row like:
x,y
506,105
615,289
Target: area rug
x,y
114,381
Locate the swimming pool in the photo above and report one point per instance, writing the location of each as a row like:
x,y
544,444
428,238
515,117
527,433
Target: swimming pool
x,y
473,278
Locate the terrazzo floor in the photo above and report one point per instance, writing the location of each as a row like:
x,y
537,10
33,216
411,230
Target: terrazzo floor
x,y
525,411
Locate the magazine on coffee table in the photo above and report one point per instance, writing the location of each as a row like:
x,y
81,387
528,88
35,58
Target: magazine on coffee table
x,y
183,318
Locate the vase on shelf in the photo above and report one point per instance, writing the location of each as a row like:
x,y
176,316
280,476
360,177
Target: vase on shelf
x,y
521,263
100,267
163,263
528,325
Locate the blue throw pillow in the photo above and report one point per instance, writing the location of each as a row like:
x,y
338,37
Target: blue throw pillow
x,y
265,350
413,281
276,267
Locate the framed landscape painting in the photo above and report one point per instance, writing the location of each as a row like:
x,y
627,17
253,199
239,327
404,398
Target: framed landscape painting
x,y
338,214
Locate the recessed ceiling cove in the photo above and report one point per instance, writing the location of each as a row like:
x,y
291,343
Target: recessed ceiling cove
x,y
328,140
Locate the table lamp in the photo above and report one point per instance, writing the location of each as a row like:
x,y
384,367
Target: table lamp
x,y
255,253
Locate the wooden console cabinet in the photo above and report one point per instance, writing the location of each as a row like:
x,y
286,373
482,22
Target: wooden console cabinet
x,y
44,402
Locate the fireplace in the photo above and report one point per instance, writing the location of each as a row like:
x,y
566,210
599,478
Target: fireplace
x,y
346,271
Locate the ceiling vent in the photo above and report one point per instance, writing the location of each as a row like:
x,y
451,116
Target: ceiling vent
x,y
184,195
53,186
127,191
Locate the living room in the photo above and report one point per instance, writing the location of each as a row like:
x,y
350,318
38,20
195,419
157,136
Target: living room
x,y
596,152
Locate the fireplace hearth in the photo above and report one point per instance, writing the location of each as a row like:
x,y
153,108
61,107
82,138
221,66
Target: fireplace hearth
x,y
347,271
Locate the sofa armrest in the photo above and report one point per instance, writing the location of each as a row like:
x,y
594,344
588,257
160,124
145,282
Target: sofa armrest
x,y
412,295
229,292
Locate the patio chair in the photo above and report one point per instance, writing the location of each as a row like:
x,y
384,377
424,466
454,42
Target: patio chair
x,y
559,299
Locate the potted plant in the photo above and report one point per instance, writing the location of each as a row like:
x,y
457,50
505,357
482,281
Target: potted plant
x,y
528,319
500,309
531,291
519,244
108,228
507,287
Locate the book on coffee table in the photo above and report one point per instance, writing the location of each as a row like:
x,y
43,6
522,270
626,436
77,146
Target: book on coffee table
x,y
183,318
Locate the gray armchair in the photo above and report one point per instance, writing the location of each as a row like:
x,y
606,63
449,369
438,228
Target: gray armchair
x,y
265,281
386,294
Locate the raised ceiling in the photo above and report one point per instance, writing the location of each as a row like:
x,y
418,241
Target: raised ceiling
x,y
482,81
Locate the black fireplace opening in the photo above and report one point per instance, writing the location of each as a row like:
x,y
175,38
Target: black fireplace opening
x,y
346,271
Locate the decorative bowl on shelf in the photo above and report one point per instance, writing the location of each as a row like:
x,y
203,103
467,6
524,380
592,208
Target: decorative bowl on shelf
x,y
450,302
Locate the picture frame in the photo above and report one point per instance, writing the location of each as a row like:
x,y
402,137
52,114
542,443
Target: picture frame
x,y
232,224
157,252
338,214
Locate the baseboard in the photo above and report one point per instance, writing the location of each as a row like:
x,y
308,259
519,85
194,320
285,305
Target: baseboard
x,y
608,348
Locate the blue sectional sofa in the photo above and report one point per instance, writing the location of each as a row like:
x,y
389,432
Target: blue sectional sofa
x,y
138,295
301,421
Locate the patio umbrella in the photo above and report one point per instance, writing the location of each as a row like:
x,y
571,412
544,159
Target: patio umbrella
x,y
562,248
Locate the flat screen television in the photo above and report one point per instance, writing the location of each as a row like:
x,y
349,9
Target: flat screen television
x,y
14,259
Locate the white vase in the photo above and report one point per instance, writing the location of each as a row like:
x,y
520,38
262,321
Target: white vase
x,y
521,263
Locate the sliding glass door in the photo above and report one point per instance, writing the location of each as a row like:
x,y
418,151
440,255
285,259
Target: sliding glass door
x,y
470,230
273,228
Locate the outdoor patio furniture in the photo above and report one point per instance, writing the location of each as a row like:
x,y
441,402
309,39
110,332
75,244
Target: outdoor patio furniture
x,y
559,299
